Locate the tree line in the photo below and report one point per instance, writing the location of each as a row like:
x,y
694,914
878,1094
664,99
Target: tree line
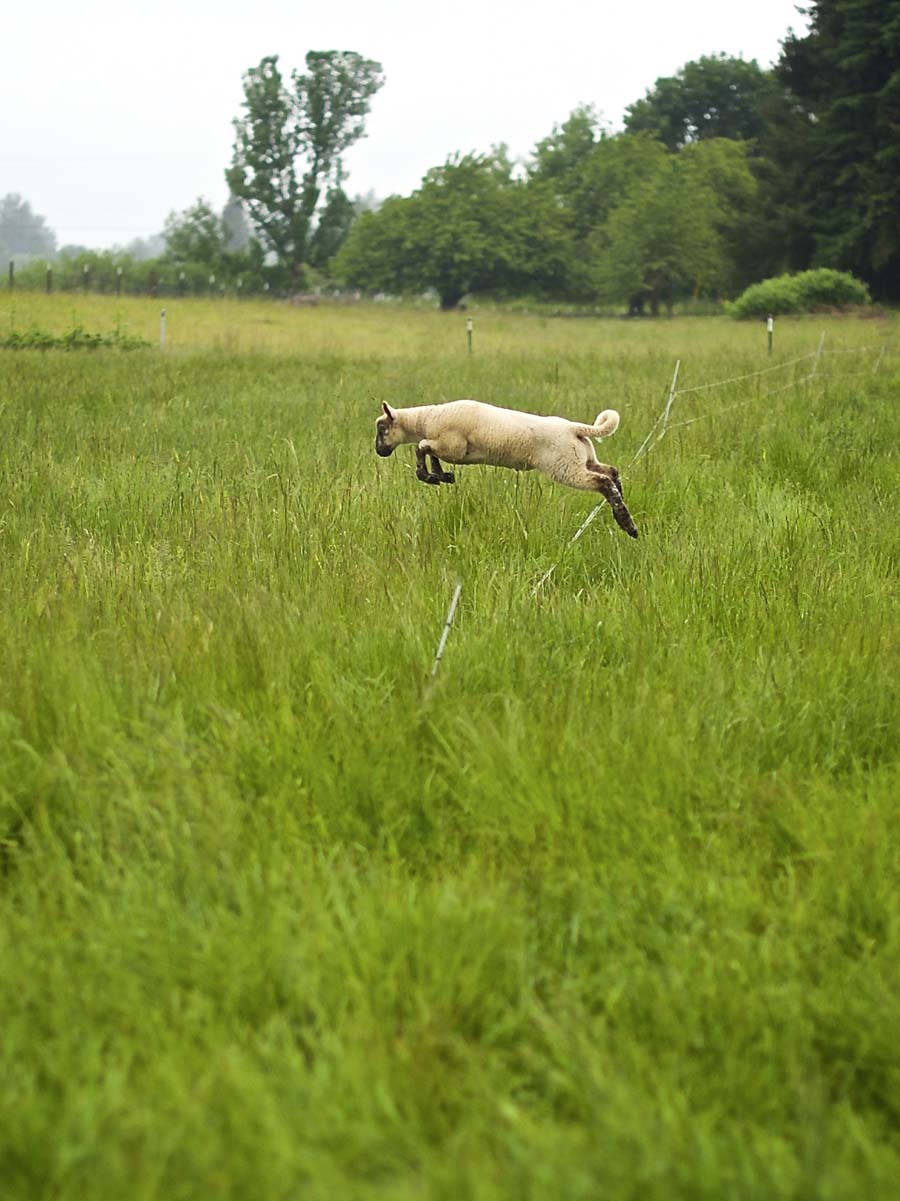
x,y
724,174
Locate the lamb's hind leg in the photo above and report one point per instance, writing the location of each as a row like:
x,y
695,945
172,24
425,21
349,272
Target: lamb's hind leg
x,y
612,472
592,463
610,485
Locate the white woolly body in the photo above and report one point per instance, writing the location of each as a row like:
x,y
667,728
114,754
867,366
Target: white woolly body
x,y
468,431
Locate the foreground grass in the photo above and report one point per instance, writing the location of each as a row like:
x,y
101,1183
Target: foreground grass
x,y
611,911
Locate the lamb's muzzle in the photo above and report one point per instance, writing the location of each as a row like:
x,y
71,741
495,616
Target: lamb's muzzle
x,y
467,431
381,427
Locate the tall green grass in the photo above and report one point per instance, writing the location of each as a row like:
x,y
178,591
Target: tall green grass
x,y
610,910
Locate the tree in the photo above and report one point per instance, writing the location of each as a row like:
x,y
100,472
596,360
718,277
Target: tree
x,y
712,97
662,239
377,254
560,158
844,78
332,226
22,231
196,235
470,227
721,172
565,161
590,173
289,143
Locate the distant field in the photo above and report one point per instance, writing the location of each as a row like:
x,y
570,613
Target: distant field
x,y
611,911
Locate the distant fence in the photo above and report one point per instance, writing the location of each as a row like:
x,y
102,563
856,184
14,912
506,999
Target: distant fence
x,y
133,280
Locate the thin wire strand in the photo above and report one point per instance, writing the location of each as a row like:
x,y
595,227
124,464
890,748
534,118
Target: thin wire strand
x,y
648,444
737,379
738,404
596,509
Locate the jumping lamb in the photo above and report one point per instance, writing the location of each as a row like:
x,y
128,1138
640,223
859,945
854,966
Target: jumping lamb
x,y
468,431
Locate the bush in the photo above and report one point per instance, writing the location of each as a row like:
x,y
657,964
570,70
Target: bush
x,y
77,338
802,293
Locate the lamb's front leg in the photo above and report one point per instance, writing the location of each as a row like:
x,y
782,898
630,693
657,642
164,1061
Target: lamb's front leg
x,y
436,475
422,472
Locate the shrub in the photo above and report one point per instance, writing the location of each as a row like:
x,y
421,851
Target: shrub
x,y
802,293
77,338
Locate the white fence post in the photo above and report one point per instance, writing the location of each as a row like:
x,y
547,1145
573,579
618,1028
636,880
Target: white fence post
x,y
446,633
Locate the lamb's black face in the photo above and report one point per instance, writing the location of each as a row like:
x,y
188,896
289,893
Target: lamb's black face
x,y
382,431
388,434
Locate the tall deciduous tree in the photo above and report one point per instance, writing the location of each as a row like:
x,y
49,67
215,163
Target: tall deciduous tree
x,y
721,171
196,235
715,96
470,227
289,142
664,238
590,174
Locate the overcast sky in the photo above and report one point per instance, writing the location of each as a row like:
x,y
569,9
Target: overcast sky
x,y
114,114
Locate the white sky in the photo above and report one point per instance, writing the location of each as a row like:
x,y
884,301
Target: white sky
x,y
114,114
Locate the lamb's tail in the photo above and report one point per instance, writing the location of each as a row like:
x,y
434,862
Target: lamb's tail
x,y
605,423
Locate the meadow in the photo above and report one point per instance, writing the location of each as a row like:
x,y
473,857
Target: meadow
x,y
608,909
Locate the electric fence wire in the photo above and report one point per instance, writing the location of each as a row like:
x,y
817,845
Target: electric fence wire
x,y
672,394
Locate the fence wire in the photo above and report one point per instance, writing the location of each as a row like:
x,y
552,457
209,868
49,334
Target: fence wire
x,y
672,394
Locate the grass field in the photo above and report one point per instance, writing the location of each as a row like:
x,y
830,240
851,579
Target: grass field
x,y
610,911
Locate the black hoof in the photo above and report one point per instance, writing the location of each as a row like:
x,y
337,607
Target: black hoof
x,y
448,478
624,521
427,478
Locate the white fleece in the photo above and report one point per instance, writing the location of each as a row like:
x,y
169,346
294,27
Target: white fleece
x,y
468,431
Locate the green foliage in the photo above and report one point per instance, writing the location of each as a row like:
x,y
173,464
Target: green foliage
x,y
560,156
289,143
715,96
618,218
844,76
609,912
589,174
806,292
77,338
470,227
196,235
670,233
726,170
332,226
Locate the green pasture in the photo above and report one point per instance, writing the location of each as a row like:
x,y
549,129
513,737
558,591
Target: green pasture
x,y
609,910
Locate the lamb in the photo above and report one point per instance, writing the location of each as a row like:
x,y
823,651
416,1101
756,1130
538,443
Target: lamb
x,y
468,431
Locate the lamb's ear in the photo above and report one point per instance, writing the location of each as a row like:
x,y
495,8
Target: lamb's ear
x,y
388,412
